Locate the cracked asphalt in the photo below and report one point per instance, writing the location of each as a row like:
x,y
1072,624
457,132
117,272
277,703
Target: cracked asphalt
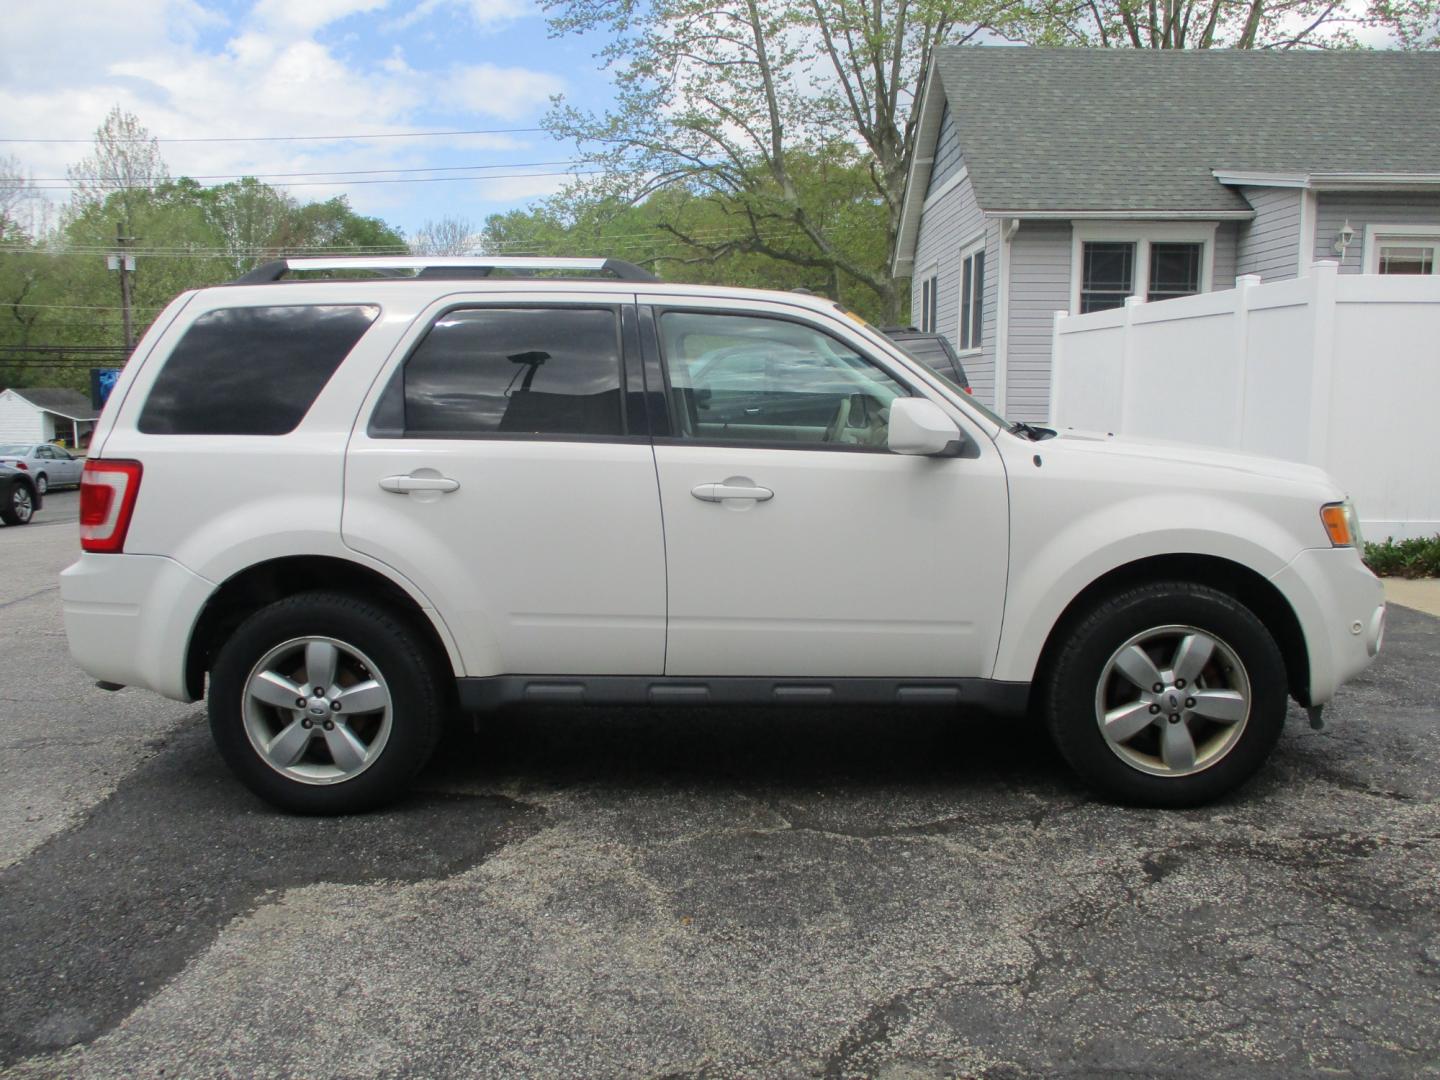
x,y
830,893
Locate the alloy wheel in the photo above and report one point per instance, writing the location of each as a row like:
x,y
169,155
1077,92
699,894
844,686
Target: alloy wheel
x,y
317,710
1173,700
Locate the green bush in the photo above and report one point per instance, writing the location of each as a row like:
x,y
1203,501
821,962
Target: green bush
x,y
1408,559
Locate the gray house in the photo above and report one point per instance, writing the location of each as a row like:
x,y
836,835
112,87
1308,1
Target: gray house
x,y
1068,179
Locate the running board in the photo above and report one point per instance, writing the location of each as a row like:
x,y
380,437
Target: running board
x,y
989,695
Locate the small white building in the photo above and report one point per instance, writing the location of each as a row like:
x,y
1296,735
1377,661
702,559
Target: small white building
x,y
44,414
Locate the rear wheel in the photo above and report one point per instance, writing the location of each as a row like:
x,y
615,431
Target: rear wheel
x,y
1167,695
324,703
42,483
18,505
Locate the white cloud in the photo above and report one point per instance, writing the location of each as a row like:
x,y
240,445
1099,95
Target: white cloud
x,y
491,12
188,73
485,14
519,188
307,16
508,93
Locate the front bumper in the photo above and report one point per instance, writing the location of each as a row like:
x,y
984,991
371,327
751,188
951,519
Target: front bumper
x,y
129,618
1341,608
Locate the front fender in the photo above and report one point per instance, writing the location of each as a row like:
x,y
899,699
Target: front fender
x,y
1050,569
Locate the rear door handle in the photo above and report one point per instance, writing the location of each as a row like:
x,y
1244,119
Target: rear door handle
x,y
731,489
402,485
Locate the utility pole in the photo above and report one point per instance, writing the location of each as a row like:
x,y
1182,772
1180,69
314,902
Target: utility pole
x,y
124,262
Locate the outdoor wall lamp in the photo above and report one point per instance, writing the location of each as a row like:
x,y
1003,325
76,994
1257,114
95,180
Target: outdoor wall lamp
x,y
1344,240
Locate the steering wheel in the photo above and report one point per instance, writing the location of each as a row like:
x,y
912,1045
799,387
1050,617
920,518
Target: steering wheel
x,y
839,422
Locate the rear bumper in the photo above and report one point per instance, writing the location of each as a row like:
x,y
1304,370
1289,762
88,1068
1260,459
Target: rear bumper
x,y
128,619
1341,608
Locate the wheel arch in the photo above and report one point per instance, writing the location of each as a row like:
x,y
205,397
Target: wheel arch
x,y
1224,575
250,589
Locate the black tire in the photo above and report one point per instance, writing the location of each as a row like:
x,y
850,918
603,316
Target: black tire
x,y
416,684
42,484
1069,694
17,505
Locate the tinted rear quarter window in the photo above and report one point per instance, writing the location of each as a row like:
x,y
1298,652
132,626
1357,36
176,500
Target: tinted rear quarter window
x,y
497,371
252,370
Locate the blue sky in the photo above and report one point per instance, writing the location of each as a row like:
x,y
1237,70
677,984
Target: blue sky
x,y
225,68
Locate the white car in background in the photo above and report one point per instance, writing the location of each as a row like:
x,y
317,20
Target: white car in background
x,y
51,466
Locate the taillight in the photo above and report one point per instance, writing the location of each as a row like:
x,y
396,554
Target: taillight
x,y
22,465
107,499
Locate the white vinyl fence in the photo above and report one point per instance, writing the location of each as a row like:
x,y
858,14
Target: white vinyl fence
x,y
1341,371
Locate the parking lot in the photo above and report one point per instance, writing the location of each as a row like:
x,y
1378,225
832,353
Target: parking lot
x,y
764,893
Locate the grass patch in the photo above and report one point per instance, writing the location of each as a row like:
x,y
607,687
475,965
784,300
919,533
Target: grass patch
x,y
1408,559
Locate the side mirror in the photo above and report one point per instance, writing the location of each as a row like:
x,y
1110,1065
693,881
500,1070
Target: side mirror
x,y
919,426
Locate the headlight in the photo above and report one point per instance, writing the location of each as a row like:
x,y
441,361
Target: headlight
x,y
1342,524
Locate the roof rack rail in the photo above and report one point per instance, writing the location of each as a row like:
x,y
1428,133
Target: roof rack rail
x,y
458,268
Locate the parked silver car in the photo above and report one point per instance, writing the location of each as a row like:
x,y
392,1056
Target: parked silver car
x,y
51,466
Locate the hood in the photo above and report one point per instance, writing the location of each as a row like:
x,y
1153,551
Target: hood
x,y
1192,454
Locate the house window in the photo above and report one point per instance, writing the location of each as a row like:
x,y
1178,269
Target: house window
x,y
1402,249
927,303
1158,262
1402,259
972,297
1174,270
1109,275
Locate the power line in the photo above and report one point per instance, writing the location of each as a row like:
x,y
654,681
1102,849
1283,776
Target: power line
x,y
345,183
299,138
652,235
325,172
86,307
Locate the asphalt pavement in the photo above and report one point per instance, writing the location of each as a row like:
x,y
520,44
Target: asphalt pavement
x,y
781,893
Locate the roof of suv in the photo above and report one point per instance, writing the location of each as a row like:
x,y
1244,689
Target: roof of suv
x,y
517,273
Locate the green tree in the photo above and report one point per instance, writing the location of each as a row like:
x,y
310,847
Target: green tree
x,y
1227,23
57,290
739,102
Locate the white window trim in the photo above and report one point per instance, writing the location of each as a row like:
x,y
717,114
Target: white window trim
x,y
978,244
1375,235
931,269
1142,235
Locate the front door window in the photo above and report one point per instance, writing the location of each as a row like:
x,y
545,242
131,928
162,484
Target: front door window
x,y
743,378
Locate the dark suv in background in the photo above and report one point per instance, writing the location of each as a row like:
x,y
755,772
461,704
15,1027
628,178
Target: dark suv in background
x,y
932,350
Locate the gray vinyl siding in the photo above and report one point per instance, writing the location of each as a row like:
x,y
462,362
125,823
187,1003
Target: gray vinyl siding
x,y
947,151
1333,209
946,227
1227,240
1269,245
1039,287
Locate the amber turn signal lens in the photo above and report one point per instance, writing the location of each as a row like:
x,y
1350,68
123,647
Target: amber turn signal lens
x,y
1337,524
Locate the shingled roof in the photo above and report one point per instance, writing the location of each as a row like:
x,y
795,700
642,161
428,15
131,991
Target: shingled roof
x,y
70,404
1142,129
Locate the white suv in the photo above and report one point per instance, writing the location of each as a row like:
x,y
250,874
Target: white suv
x,y
361,504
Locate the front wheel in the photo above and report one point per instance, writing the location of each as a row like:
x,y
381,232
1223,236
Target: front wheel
x,y
323,703
1167,695
18,506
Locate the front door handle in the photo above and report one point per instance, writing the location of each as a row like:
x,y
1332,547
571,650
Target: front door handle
x,y
734,488
403,485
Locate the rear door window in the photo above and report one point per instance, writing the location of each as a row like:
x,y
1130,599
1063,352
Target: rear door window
x,y
509,371
252,370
